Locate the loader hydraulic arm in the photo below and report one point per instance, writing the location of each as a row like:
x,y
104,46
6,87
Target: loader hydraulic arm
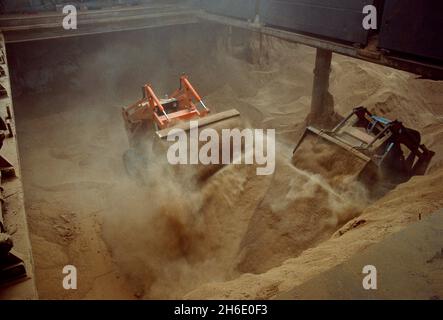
x,y
154,103
184,83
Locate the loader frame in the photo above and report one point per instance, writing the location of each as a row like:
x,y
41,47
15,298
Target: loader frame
x,y
380,139
150,107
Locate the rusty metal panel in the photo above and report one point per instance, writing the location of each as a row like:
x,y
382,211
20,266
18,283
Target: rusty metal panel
x,y
335,19
413,27
242,9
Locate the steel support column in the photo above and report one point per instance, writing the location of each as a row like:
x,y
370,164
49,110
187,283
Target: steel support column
x,y
322,103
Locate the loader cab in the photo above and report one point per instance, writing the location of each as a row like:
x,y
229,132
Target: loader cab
x,y
170,105
396,150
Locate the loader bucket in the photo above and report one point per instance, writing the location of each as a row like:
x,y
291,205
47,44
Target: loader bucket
x,y
218,120
321,153
229,119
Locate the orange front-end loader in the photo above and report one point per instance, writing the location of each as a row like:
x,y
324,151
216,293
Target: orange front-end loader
x,y
152,116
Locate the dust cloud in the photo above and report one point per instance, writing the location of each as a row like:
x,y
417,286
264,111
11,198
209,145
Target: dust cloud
x,y
153,232
174,234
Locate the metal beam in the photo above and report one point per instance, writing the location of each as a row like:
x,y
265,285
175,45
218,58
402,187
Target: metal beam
x,y
19,28
370,54
322,105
